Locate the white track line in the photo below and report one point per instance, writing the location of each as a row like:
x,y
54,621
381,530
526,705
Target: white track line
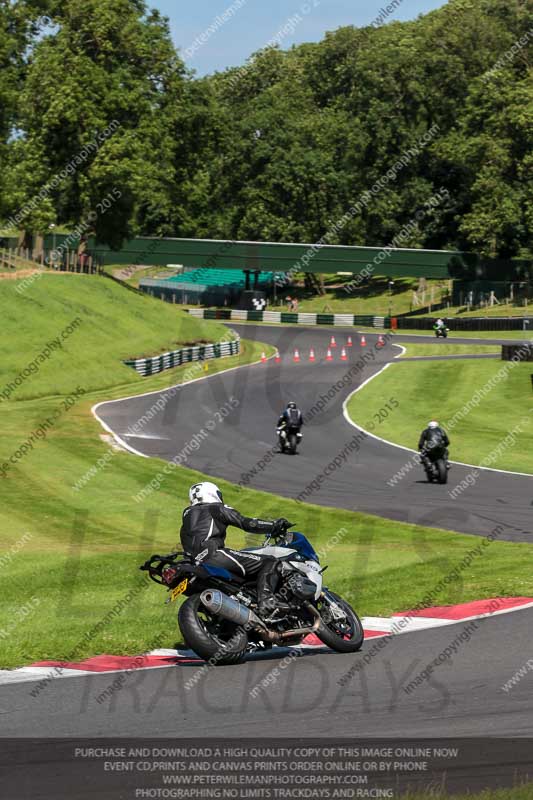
x,y
160,391
401,446
145,436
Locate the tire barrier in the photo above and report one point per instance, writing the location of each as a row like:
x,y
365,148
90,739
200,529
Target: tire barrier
x,y
517,352
175,358
366,320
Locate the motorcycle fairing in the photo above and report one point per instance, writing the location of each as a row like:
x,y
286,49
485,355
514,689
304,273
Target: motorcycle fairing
x,y
297,541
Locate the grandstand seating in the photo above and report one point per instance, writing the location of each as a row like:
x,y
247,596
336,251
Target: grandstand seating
x,y
220,277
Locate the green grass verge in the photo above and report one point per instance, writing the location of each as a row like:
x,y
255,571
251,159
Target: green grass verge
x,y
445,349
69,555
439,389
95,323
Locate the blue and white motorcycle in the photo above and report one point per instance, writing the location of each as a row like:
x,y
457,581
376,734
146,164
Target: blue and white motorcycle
x,y
219,618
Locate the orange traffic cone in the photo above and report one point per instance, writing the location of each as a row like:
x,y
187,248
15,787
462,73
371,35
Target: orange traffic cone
x,y
363,341
329,357
333,343
296,356
263,358
349,342
311,355
344,357
381,341
277,357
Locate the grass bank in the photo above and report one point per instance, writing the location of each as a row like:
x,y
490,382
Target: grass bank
x,y
93,324
372,297
440,389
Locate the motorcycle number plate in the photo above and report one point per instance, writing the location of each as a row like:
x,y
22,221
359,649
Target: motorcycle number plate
x,y
179,589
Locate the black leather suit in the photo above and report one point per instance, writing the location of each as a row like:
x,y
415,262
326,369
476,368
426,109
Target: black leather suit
x,y
203,533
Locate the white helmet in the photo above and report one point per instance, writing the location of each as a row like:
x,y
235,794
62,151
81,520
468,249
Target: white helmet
x,y
205,492
432,424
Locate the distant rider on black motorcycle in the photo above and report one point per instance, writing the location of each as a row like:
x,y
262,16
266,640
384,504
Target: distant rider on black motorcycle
x,y
433,436
203,535
291,418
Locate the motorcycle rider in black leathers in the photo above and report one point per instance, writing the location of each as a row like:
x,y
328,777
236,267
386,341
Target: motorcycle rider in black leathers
x,y
290,418
203,535
432,431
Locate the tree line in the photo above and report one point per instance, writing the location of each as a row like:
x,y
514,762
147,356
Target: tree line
x,y
97,103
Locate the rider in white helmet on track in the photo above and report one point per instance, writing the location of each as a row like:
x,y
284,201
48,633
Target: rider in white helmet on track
x,y
432,435
203,535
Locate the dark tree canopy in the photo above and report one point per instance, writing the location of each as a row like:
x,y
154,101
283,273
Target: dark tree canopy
x,y
282,147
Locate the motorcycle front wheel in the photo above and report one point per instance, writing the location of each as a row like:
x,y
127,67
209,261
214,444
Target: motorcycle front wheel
x,y
344,635
212,638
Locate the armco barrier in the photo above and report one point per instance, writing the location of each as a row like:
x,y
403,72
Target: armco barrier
x,y
175,358
303,318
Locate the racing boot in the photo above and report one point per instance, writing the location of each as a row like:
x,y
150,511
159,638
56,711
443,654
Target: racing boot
x,y
266,583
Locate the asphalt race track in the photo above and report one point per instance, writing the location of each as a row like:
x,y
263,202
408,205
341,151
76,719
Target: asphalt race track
x,y
236,446
463,696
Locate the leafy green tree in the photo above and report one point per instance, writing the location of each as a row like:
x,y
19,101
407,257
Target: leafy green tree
x,y
15,33
285,147
99,84
489,151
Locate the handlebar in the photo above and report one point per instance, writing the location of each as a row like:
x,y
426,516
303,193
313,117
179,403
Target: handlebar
x,y
281,532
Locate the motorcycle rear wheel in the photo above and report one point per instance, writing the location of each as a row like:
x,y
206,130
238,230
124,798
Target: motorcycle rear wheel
x,y
217,641
342,636
292,443
442,471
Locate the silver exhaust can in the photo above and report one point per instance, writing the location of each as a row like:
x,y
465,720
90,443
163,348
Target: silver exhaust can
x,y
227,607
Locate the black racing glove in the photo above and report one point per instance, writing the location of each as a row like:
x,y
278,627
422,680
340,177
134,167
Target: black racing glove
x,y
280,526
